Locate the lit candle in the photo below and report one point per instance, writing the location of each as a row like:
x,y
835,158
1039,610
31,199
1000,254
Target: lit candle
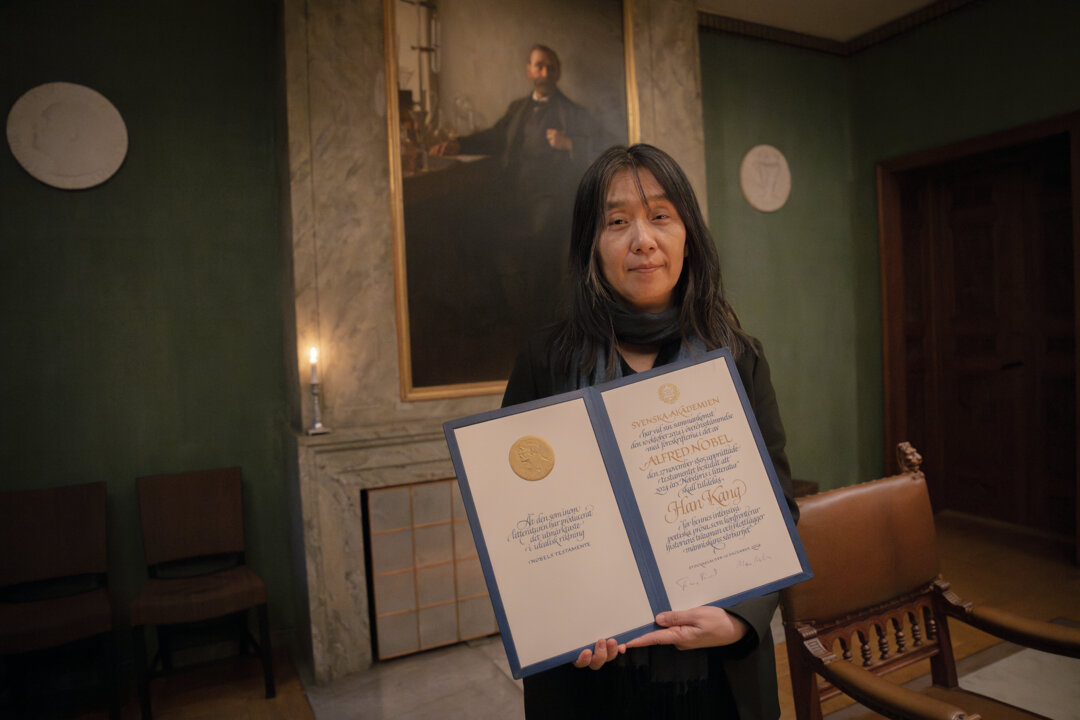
x,y
314,365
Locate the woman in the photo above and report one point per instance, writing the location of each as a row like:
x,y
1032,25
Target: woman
x,y
644,291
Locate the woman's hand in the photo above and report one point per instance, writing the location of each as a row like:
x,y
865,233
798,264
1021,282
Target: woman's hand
x,y
603,652
700,627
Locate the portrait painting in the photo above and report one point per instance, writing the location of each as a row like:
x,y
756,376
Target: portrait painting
x,y
497,108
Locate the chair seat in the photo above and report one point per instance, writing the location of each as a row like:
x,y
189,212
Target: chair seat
x,y
30,626
184,600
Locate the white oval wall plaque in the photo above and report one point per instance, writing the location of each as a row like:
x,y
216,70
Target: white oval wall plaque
x,y
67,135
765,178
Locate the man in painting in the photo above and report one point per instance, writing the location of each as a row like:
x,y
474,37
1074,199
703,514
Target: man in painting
x,y
543,143
540,134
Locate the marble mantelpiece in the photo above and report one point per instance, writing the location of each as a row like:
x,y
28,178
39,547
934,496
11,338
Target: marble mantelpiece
x,y
334,469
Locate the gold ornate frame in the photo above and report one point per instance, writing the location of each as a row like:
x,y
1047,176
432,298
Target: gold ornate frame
x,y
410,392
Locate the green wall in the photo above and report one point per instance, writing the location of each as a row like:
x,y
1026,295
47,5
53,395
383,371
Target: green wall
x,y
789,273
806,278
142,319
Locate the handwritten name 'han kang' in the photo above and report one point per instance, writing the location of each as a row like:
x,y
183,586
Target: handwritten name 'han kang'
x,y
681,453
718,496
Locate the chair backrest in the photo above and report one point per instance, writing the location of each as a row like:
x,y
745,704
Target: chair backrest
x,y
190,515
52,533
873,551
866,544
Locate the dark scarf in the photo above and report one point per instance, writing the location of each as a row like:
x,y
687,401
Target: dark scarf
x,y
639,329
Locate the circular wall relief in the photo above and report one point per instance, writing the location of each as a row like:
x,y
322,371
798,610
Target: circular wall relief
x,y
67,135
765,178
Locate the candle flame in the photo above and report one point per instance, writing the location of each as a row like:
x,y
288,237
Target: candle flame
x,y
314,355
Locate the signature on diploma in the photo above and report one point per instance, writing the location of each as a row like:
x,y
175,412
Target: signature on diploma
x,y
757,558
691,580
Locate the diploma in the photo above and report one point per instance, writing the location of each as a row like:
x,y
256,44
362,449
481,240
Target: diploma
x,y
594,510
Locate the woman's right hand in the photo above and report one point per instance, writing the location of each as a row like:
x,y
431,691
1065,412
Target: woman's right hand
x,y
603,652
698,627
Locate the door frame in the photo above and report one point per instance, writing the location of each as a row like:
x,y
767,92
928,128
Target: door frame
x,y
890,248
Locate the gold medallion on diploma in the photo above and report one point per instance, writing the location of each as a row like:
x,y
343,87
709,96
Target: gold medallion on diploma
x,y
531,458
668,393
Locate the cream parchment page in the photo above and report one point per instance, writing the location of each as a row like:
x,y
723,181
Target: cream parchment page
x,y
708,507
563,563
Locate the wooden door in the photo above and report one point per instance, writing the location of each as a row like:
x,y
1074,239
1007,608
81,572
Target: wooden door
x,y
989,332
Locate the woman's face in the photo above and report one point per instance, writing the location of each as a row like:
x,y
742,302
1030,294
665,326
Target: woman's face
x,y
642,244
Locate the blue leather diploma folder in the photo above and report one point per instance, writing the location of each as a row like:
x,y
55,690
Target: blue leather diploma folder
x,y
594,510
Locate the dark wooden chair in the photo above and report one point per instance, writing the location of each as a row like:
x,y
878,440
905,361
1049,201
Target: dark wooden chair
x,y
54,597
877,603
193,537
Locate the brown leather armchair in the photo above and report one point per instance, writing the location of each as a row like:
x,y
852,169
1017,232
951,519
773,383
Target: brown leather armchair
x,y
877,598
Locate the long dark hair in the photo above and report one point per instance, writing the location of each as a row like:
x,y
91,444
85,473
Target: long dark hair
x,y
699,292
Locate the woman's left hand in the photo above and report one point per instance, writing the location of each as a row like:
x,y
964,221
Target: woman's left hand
x,y
603,652
699,627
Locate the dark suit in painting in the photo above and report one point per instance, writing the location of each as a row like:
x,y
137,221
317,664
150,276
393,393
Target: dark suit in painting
x,y
533,208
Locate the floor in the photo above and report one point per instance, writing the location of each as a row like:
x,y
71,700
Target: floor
x,y
1051,687
471,680
985,562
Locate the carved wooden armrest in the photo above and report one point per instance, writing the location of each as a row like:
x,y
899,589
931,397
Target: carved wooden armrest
x,y
1035,634
876,693
886,697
